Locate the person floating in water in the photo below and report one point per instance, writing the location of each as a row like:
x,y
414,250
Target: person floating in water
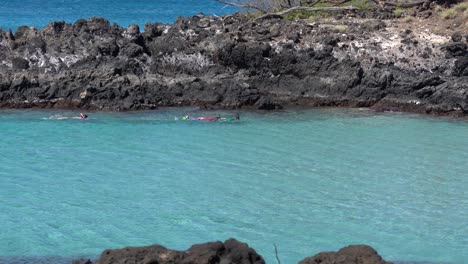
x,y
209,118
83,116
187,117
231,118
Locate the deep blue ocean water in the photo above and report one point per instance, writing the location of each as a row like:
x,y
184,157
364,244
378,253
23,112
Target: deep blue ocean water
x,y
306,180
38,13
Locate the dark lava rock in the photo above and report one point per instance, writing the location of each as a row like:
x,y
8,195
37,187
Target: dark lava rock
x,y
82,261
105,49
373,25
294,36
406,33
267,104
20,63
461,66
230,62
331,40
133,29
355,254
231,251
457,37
153,30
131,50
456,49
133,34
98,25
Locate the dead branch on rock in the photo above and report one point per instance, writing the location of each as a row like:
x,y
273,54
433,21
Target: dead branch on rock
x,y
288,7
304,8
248,6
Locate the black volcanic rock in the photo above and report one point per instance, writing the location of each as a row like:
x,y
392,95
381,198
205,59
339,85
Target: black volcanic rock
x,y
153,30
231,62
231,251
82,261
457,37
457,49
355,254
20,63
461,66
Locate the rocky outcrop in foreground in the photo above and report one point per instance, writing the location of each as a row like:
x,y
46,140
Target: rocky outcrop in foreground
x,y
234,62
357,254
229,252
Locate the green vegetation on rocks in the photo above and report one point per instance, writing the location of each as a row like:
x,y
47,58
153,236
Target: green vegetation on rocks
x,y
450,13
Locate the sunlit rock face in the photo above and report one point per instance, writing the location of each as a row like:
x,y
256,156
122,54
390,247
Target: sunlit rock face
x,y
233,62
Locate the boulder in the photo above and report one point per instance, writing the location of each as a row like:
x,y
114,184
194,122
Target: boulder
x,y
20,63
54,28
131,50
98,26
354,254
461,66
457,37
231,251
456,49
153,30
82,261
107,49
265,103
372,25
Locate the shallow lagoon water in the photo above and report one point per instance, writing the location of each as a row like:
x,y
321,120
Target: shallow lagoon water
x,y
307,180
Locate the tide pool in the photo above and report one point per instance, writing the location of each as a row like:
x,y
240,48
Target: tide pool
x,y
38,13
306,180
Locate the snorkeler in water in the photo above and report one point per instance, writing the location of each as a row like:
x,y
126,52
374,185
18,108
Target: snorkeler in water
x,y
209,118
231,118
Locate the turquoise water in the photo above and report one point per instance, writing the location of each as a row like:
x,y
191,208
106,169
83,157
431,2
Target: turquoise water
x,y
38,13
308,181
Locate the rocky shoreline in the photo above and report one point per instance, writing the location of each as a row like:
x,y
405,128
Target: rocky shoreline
x,y
230,251
235,62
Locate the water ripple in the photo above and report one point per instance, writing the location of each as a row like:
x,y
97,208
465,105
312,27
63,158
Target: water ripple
x,y
308,181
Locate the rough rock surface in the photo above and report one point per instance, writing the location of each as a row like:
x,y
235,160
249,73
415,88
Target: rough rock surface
x,y
355,254
231,251
233,62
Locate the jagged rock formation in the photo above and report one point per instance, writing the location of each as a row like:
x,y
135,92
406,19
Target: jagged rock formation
x,y
231,251
356,254
234,62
